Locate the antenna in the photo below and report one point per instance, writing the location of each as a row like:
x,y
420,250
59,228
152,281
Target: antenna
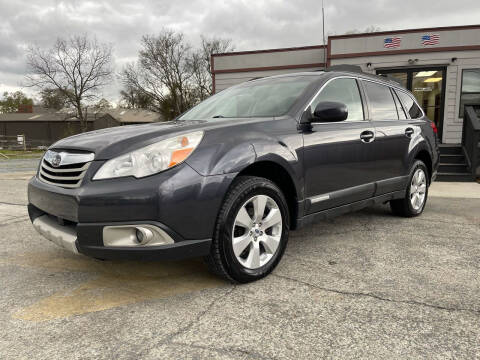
x,y
323,34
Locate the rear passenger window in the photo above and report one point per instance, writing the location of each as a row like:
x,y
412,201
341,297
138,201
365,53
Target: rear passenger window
x,y
344,90
410,106
400,110
382,105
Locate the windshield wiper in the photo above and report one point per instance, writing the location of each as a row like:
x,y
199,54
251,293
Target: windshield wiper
x,y
217,116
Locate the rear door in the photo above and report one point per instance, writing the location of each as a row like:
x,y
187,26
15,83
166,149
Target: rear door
x,y
393,133
338,163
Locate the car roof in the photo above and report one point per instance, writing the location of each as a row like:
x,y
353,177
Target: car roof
x,y
331,74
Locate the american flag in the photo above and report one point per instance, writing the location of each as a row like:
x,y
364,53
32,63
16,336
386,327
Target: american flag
x,y
430,39
392,42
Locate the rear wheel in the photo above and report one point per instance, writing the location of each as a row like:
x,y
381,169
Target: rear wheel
x,y
416,194
251,231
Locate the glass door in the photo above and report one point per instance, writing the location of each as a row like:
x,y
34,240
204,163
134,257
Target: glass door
x,y
428,86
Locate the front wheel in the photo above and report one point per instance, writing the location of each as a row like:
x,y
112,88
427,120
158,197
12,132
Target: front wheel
x,y
416,194
251,231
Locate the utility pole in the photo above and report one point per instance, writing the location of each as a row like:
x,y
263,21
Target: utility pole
x,y
323,34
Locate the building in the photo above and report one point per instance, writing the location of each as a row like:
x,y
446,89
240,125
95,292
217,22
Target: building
x,y
42,127
441,66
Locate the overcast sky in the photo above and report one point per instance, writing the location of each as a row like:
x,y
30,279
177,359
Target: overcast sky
x,y
252,24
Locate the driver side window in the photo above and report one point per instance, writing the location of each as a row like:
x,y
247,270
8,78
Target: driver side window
x,y
344,90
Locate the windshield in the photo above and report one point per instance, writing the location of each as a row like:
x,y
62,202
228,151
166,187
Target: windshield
x,y
260,98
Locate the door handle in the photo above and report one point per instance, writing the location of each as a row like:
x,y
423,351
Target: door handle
x,y
367,136
409,132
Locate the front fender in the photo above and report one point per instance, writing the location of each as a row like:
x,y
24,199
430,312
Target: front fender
x,y
222,158
235,150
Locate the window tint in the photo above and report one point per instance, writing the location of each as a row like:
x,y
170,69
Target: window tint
x,y
410,106
400,110
344,91
382,106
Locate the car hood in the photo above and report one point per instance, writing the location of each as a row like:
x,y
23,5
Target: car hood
x,y
111,142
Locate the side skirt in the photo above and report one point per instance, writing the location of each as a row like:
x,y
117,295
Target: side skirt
x,y
344,209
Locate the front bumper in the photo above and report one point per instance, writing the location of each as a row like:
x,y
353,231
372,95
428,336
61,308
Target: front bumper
x,y
180,202
66,236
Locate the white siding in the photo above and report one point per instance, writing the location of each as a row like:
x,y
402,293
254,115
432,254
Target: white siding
x,y
411,40
223,81
268,59
232,69
452,126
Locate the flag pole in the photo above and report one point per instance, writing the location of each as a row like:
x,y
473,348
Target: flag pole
x,y
323,34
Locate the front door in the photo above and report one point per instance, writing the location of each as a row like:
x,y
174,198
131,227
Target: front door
x,y
338,162
428,86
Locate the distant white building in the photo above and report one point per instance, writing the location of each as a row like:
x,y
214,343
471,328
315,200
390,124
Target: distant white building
x,y
441,66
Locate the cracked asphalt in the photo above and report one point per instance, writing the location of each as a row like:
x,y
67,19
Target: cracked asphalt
x,y
364,285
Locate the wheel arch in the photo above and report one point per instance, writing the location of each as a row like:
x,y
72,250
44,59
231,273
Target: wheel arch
x,y
282,178
424,156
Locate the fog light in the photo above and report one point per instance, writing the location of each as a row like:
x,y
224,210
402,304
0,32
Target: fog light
x,y
135,235
144,235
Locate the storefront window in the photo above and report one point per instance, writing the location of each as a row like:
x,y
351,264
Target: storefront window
x,y
470,88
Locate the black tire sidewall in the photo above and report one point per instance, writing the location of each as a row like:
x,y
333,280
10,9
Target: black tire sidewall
x,y
418,164
235,269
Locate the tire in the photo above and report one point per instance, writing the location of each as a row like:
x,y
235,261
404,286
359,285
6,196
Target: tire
x,y
408,207
264,245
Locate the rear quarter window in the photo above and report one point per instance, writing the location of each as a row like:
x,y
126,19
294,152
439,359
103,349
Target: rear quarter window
x,y
409,104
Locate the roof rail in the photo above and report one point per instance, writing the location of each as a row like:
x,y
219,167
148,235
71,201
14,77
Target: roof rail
x,y
391,78
345,67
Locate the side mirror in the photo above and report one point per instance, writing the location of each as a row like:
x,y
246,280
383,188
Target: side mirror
x,y
330,111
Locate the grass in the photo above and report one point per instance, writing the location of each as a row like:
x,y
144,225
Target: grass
x,y
20,154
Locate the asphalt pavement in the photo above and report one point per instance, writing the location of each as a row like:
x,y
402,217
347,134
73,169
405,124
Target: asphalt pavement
x,y
18,165
363,285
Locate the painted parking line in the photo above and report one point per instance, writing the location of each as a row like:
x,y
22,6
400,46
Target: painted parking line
x,y
113,284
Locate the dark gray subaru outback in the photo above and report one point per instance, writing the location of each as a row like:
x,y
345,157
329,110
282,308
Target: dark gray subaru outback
x,y
231,177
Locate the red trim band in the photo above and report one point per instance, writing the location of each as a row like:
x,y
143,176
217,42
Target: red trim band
x,y
267,68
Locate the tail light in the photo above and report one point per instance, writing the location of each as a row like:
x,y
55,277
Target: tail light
x,y
434,127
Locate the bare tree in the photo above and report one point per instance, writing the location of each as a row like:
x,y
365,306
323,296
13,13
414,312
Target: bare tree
x,y
201,63
102,105
162,71
53,99
77,67
169,73
131,98
368,29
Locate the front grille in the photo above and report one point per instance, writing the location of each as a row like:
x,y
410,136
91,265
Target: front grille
x,y
67,175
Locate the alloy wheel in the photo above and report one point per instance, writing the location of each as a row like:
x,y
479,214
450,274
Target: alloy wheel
x,y
257,231
418,188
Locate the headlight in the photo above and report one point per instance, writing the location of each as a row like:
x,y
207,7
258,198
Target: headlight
x,y
152,158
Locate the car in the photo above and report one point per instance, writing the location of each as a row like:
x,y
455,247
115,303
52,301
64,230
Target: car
x,y
231,177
